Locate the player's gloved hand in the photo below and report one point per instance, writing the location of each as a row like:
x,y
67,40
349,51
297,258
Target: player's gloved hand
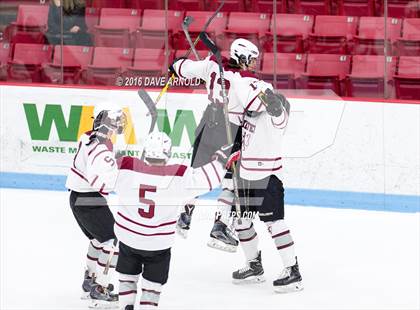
x,y
171,67
228,154
275,103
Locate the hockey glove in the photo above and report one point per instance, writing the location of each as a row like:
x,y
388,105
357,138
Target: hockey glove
x,y
275,103
228,154
171,67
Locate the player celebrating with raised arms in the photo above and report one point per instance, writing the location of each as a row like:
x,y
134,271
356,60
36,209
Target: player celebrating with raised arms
x,y
150,194
211,132
91,176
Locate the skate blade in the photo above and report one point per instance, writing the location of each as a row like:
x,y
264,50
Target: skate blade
x,y
85,296
182,232
102,304
250,280
219,245
290,288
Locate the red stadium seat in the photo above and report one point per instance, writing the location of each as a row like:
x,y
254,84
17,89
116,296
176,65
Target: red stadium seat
x,y
27,60
73,62
149,62
326,71
229,6
4,59
332,34
371,37
108,63
108,3
312,7
292,32
187,5
31,22
356,7
368,75
409,43
289,68
239,26
407,80
146,4
400,8
152,31
266,6
215,29
92,18
115,27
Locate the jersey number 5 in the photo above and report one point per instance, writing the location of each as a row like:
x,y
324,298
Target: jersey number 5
x,y
142,192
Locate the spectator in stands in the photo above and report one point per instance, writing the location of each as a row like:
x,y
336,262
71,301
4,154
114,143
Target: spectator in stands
x,y
74,25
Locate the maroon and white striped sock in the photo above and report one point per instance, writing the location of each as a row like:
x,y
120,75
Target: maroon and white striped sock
x,y
150,294
127,290
248,238
283,241
94,250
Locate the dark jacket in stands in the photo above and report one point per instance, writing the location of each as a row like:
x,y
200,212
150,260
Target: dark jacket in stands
x,y
74,18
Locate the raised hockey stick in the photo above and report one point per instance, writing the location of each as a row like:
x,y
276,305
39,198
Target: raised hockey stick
x,y
165,88
215,50
186,23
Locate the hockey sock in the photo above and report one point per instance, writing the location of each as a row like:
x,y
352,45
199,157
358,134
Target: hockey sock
x,y
283,241
150,294
127,290
248,238
94,250
107,248
224,206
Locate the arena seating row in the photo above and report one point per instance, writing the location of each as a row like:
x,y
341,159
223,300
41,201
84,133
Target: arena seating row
x,y
295,32
396,8
358,75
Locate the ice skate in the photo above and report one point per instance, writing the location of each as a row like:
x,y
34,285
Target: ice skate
x,y
222,238
184,221
102,298
252,273
289,280
87,285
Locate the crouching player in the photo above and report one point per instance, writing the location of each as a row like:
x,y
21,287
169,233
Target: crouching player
x,y
150,194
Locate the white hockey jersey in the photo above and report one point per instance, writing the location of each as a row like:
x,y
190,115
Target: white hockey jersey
x,y
94,168
242,87
262,145
151,195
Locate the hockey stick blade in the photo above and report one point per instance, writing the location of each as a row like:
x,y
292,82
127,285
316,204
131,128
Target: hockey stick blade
x,y
204,37
144,96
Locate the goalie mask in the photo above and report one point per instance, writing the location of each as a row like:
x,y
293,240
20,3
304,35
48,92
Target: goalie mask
x,y
243,51
157,147
109,119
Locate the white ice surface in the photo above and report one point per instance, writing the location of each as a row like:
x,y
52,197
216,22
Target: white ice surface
x,y
348,259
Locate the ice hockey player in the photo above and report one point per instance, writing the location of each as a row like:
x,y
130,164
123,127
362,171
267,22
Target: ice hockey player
x,y
211,132
150,193
92,174
260,168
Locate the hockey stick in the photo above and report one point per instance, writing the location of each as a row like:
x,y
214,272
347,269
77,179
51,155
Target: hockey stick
x,y
215,50
144,96
165,88
187,22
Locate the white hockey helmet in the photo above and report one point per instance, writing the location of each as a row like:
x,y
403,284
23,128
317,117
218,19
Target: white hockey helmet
x,y
109,116
243,51
157,147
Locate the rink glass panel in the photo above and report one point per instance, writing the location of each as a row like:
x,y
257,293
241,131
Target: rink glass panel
x,y
347,48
